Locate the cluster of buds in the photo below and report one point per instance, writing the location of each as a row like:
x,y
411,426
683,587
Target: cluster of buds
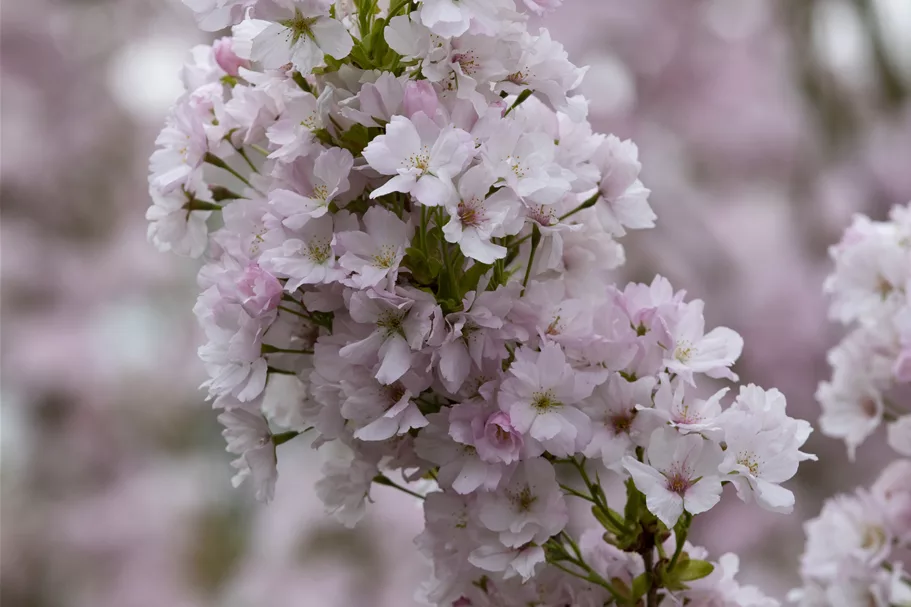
x,y
416,228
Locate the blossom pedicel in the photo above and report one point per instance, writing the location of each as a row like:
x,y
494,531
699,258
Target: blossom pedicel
x,y
416,228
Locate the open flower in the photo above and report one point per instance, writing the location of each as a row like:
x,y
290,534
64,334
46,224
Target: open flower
x,y
423,158
400,324
248,436
529,508
696,351
310,259
681,473
323,183
476,216
374,256
542,397
302,35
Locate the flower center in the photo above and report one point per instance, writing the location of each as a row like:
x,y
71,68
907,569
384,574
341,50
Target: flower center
x,y
678,483
554,328
684,352
749,461
545,401
310,122
873,537
515,163
394,393
321,192
471,214
868,406
391,323
622,422
519,77
421,160
466,61
319,251
884,287
524,499
299,27
543,215
385,258
685,416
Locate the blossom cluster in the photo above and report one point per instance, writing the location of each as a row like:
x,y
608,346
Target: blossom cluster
x,y
413,227
871,367
853,549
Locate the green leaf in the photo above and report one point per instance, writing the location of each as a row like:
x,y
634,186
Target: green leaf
x,y
692,570
470,278
640,586
355,139
324,136
633,501
525,94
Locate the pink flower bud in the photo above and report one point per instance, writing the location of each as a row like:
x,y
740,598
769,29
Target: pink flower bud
x,y
225,57
259,291
902,369
499,441
420,97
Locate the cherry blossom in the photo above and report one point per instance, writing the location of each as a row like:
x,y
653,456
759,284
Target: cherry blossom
x,y
408,231
681,474
422,157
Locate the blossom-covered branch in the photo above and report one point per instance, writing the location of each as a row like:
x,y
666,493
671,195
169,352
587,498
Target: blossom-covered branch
x,y
413,252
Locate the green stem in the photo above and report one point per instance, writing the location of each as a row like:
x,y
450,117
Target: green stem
x,y
588,203
267,349
525,94
382,479
283,437
648,558
218,162
535,241
590,574
220,193
280,371
243,155
201,205
396,9
447,259
260,149
596,498
680,535
295,312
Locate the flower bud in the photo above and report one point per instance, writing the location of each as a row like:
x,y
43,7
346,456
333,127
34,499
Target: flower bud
x,y
420,97
259,291
226,58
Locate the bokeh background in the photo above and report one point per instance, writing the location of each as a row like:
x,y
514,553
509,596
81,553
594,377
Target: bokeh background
x,y
762,126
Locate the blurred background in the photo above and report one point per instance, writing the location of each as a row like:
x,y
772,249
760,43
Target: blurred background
x,y
762,126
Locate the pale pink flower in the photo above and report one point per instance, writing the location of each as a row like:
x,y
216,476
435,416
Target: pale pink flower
x,y
681,473
373,257
248,436
542,396
420,97
400,324
304,34
423,158
529,508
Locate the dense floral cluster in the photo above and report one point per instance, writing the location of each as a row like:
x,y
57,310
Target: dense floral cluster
x,y
871,367
853,552
416,231
853,548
